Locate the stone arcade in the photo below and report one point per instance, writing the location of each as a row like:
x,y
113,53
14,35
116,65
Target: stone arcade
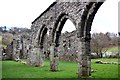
x,y
52,20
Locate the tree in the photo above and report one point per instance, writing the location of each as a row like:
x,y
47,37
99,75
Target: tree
x,y
99,43
7,38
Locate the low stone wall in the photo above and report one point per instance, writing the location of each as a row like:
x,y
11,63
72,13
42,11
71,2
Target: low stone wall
x,y
69,57
101,62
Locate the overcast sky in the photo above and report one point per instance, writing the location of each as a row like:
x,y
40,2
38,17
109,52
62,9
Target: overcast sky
x,y
20,13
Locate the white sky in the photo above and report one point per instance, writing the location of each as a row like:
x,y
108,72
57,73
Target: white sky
x,y
20,13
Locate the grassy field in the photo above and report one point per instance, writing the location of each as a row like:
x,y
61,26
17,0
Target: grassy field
x,y
113,49
13,69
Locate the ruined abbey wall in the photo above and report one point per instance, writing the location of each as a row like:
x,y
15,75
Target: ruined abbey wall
x,y
68,48
81,13
46,35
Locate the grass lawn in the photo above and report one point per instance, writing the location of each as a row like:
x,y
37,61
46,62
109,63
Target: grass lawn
x,y
113,49
12,69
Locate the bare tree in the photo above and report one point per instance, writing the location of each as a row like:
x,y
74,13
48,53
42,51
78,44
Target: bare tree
x,y
99,43
7,38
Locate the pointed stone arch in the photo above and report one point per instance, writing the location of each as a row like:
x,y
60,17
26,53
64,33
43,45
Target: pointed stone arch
x,y
42,37
81,13
61,20
56,32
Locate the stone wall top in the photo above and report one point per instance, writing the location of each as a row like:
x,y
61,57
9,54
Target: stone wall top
x,y
45,11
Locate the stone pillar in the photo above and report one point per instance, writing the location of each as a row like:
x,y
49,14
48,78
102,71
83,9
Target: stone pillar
x,y
35,57
14,49
84,69
38,59
54,59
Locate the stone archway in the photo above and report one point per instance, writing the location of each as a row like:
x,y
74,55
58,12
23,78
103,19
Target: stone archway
x,y
81,13
41,42
56,32
36,54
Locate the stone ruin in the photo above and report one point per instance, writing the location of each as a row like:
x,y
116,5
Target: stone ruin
x,y
46,35
101,62
18,48
0,47
68,46
51,22
67,49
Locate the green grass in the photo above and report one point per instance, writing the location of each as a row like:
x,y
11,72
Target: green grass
x,y
12,69
0,70
113,49
105,70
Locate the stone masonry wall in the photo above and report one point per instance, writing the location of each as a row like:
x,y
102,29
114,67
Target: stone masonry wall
x,y
68,46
